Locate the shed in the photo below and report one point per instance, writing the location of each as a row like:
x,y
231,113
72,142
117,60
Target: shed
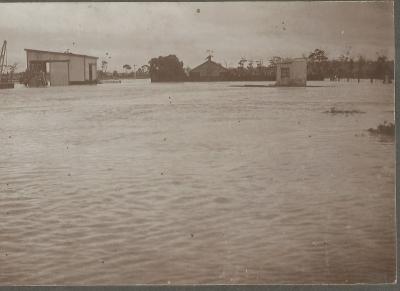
x,y
291,72
60,69
208,71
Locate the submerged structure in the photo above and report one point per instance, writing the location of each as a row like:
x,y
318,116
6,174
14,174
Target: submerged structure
x,y
46,68
208,71
291,72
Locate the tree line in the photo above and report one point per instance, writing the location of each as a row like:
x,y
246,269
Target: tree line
x,y
319,67
128,72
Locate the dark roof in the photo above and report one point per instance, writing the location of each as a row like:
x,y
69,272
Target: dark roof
x,y
209,63
59,53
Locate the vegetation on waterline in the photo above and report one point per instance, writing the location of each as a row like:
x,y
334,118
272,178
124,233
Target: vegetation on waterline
x,y
334,110
387,128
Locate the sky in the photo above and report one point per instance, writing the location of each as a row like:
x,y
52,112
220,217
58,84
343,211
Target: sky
x,y
133,33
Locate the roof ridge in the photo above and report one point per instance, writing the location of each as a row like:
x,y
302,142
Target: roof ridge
x,y
60,53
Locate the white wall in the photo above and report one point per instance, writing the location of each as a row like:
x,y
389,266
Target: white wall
x,y
297,72
76,68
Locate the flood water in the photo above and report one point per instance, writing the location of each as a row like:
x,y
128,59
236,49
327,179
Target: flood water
x,y
196,183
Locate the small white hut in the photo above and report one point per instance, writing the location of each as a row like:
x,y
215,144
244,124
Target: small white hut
x,y
291,72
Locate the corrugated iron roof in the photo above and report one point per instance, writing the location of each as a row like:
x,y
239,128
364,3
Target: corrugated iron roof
x,y
59,53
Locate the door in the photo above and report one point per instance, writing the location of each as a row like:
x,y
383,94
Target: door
x,y
90,72
59,74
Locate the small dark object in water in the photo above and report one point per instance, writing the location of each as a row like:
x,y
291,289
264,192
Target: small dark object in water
x,y
191,235
384,129
333,110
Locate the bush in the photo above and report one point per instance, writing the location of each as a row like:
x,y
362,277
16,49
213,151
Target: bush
x,y
384,129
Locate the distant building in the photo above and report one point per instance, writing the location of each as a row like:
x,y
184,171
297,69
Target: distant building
x,y
60,69
208,71
291,72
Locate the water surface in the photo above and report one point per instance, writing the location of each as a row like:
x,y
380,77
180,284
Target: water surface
x,y
196,183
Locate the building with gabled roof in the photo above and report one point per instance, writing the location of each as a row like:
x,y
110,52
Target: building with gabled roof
x,y
208,71
59,69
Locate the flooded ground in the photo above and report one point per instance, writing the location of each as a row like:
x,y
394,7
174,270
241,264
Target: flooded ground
x,y
196,183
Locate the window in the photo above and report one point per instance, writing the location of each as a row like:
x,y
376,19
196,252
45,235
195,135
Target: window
x,y
285,73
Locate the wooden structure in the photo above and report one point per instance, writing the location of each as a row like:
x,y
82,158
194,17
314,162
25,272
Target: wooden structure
x,y
59,69
291,72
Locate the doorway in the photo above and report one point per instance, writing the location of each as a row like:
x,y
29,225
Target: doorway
x,y
90,72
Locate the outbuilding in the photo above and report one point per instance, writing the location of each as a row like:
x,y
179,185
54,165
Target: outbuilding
x,y
291,72
208,71
59,69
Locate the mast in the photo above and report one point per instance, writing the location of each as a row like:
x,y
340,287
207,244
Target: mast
x,y
3,57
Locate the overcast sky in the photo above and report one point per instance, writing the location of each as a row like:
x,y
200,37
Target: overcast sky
x,y
135,32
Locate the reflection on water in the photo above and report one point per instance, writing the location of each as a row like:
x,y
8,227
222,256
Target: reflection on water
x,y
195,183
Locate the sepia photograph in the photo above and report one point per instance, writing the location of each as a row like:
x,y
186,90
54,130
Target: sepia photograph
x,y
197,143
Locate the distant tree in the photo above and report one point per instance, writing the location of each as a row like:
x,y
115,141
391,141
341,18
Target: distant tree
x,y
145,69
115,74
318,56
360,65
317,63
381,67
142,72
274,61
167,69
350,68
127,68
104,65
250,65
241,62
187,70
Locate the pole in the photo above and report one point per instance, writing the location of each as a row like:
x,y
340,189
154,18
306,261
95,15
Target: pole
x,y
2,56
